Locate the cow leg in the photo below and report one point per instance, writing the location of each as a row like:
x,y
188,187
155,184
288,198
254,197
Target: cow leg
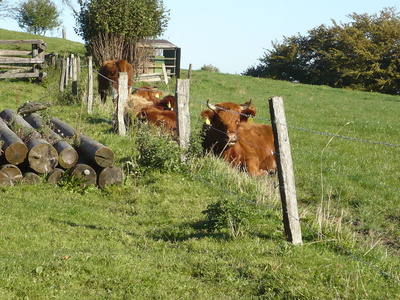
x,y
253,166
103,96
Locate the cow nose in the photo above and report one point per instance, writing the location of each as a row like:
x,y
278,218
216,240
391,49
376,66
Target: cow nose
x,y
232,137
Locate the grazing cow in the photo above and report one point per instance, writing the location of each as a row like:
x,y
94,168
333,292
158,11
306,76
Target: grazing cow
x,y
108,78
161,118
244,144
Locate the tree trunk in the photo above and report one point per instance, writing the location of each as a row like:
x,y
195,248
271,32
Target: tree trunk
x,y
110,175
67,155
55,176
30,178
15,151
9,175
42,157
86,173
89,149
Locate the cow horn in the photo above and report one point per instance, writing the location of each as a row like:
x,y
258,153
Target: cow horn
x,y
210,106
246,105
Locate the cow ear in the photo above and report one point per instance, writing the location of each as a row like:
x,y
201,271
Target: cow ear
x,y
247,115
207,115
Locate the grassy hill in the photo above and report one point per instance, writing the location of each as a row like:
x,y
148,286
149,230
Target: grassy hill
x,y
150,238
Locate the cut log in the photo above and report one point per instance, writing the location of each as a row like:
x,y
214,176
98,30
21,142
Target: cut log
x,y
110,175
21,127
55,176
30,178
10,175
88,149
14,149
67,155
31,107
42,156
84,172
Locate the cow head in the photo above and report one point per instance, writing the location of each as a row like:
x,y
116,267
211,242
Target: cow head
x,y
225,118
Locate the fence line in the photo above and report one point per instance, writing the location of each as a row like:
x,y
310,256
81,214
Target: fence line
x,y
269,120
353,256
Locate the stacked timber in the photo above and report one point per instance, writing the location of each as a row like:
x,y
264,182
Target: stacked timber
x,y
30,148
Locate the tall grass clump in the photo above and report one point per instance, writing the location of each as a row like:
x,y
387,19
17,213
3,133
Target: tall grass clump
x,y
155,149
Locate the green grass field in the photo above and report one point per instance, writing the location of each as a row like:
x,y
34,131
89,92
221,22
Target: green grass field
x,y
150,238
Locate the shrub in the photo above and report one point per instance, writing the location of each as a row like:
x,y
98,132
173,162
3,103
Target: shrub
x,y
155,149
231,215
210,68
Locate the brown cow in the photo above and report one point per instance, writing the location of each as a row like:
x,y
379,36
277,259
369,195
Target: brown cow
x,y
108,78
161,118
247,145
168,102
148,93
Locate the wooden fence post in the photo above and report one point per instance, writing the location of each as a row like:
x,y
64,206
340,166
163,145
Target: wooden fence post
x,y
190,71
89,101
67,71
63,74
182,114
164,69
287,185
123,94
74,75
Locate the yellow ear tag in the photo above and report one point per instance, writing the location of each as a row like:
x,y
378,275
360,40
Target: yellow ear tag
x,y
250,119
169,104
158,95
208,122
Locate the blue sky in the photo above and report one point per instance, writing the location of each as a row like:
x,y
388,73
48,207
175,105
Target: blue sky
x,y
232,34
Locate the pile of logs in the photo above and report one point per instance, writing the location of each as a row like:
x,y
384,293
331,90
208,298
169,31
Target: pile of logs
x,y
31,148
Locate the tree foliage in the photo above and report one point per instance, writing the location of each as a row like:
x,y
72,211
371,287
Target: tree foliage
x,y
5,9
37,16
111,29
363,54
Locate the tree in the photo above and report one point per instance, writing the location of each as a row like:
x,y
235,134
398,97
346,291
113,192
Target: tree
x,y
362,55
112,29
37,16
5,9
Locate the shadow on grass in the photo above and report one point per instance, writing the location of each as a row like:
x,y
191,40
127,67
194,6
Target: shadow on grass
x,y
98,120
87,226
179,234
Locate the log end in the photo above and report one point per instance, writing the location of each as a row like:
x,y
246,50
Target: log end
x,y
30,178
16,153
86,173
68,158
43,158
10,175
110,175
104,157
55,176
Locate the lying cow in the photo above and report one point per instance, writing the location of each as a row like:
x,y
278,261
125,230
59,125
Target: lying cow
x,y
148,93
244,144
108,78
161,118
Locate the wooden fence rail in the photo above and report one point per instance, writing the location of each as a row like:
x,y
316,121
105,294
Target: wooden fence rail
x,y
17,64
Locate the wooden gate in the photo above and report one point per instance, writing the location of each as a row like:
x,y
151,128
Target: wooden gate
x,y
22,63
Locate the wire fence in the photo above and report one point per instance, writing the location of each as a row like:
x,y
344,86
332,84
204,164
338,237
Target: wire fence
x,y
318,233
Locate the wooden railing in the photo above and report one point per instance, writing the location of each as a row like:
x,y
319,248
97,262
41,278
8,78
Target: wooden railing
x,y
22,63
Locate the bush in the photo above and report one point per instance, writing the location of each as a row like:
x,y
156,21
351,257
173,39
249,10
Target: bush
x,y
210,68
155,149
231,215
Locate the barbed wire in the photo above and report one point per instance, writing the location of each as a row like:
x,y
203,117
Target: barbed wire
x,y
320,234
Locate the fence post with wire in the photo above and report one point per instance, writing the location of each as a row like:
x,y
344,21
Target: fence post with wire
x,y
284,162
